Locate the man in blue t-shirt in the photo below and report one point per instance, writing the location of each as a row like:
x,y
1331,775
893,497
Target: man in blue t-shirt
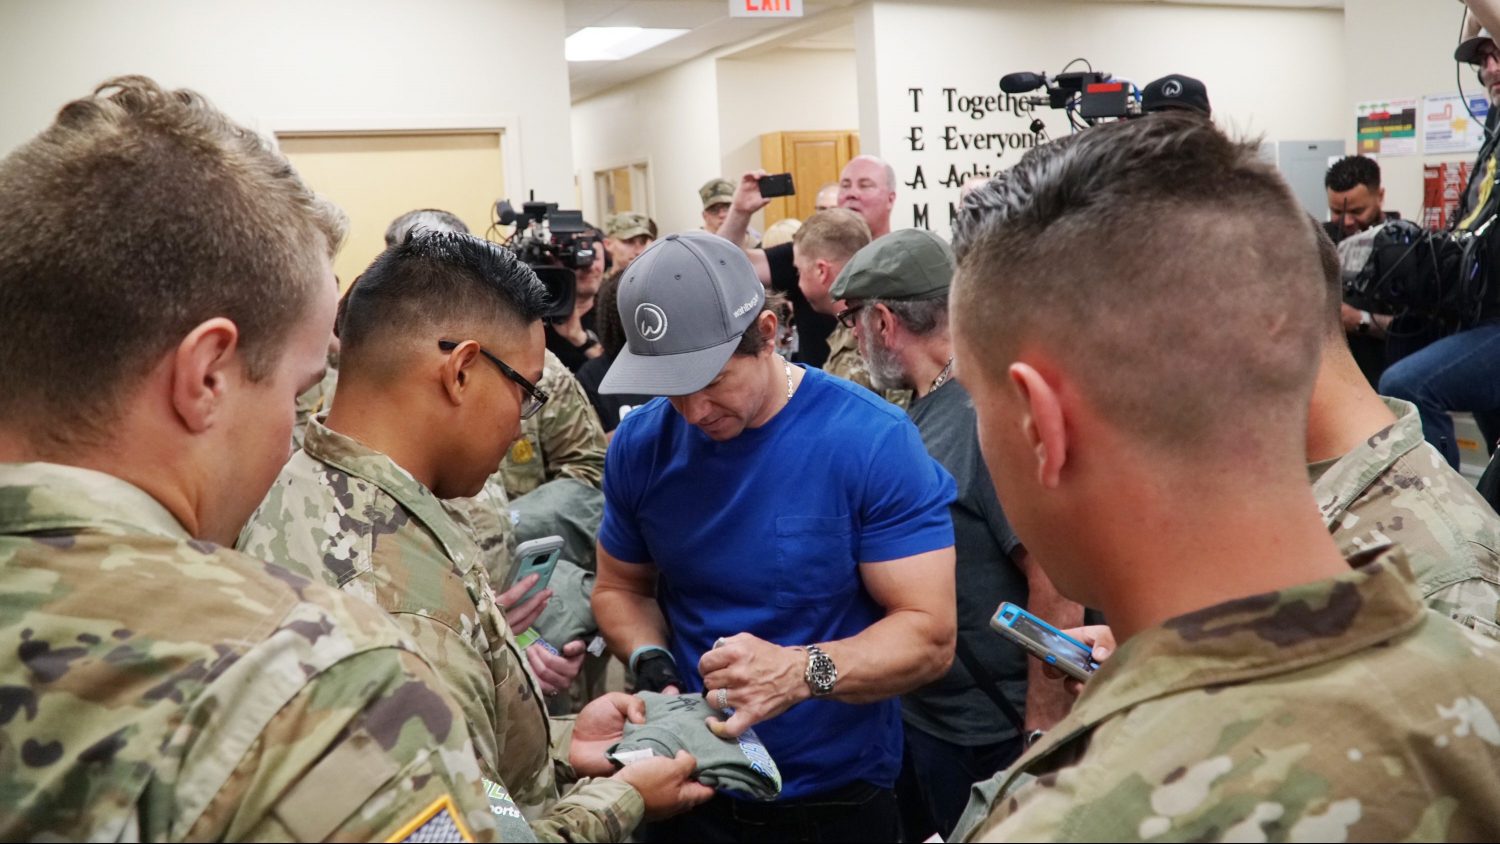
x,y
775,538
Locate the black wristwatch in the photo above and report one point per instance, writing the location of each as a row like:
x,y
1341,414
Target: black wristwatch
x,y
821,673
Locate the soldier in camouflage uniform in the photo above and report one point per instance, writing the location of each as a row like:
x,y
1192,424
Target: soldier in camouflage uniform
x,y
350,515
1262,690
565,440
163,687
1376,481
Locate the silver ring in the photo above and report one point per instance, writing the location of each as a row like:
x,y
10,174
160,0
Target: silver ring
x,y
723,698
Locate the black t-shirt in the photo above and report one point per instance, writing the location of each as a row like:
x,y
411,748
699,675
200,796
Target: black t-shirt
x,y
611,408
813,328
952,707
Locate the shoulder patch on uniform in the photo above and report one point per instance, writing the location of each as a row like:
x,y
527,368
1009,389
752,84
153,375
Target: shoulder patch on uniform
x,y
522,452
440,821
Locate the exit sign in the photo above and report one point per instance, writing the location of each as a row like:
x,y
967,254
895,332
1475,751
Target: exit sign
x,y
765,8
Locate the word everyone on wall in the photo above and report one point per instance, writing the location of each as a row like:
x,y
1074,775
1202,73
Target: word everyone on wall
x,y
955,136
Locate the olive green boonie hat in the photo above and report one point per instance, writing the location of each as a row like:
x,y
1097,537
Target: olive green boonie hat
x,y
716,192
905,264
627,225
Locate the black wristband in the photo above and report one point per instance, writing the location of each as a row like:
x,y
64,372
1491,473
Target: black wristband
x,y
655,671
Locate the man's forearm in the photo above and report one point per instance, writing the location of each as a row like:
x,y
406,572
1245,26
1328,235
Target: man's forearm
x,y
903,651
735,224
628,620
1047,700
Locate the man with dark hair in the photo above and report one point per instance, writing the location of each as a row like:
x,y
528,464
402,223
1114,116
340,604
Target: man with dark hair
x,y
1355,197
165,294
804,608
442,346
1239,703
967,725
427,219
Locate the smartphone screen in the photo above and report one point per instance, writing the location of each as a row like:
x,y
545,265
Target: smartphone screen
x,y
1056,643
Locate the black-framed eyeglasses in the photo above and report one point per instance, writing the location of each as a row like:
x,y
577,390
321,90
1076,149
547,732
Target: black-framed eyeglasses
x,y
535,397
848,315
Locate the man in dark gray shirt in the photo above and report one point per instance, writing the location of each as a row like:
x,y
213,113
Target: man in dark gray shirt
x,y
967,725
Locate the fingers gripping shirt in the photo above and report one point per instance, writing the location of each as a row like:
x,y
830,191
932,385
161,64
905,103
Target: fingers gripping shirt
x,y
678,722
168,689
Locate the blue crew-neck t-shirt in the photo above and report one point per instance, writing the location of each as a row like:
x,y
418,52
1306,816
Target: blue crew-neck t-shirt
x,y
764,534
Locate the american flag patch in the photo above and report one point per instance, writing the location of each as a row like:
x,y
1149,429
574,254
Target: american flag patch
x,y
437,823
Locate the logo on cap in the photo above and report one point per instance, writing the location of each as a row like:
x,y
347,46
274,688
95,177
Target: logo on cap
x,y
1173,88
651,321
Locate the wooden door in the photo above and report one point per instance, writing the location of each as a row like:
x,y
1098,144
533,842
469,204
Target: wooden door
x,y
813,158
377,177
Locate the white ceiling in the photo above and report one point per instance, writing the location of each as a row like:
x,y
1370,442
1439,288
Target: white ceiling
x,y
711,29
826,26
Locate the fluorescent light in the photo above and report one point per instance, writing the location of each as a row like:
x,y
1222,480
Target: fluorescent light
x,y
612,43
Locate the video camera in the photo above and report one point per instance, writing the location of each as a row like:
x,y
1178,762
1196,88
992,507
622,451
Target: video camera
x,y
1437,276
554,243
1086,96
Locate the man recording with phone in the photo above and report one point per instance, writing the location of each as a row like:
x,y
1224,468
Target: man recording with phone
x,y
867,186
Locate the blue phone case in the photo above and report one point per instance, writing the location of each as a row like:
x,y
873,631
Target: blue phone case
x,y
1044,641
538,556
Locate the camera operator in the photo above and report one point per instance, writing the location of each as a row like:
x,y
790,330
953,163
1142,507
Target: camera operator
x,y
573,340
1456,372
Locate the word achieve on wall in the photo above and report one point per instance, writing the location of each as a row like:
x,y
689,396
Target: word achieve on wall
x,y
949,154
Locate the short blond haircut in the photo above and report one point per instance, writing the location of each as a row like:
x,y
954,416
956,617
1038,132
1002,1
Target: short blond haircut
x,y
833,235
138,214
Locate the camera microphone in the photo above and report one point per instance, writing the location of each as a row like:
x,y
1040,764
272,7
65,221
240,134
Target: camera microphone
x,y
1020,83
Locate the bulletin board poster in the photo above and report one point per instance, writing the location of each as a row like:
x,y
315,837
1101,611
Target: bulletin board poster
x,y
1449,127
1387,127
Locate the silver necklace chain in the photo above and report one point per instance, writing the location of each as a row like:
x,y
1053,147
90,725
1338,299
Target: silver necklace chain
x,y
789,388
942,377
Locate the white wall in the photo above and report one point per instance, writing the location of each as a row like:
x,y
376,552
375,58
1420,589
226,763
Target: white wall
x,y
787,90
1426,34
1280,72
668,119
330,63
704,118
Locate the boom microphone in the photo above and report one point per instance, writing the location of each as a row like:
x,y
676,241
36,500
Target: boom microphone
x,y
1020,83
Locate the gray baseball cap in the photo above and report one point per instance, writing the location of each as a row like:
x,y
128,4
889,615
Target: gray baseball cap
x,y
684,302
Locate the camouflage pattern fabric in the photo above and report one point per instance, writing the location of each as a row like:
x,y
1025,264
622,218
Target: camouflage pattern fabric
x,y
489,520
1336,710
1397,488
564,440
314,401
845,362
366,525
165,689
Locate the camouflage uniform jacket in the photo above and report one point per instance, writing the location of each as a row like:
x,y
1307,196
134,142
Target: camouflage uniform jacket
x,y
564,440
163,688
314,401
372,529
1397,488
1336,710
845,362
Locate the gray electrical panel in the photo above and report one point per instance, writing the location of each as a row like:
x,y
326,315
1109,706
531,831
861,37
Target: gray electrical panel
x,y
1303,164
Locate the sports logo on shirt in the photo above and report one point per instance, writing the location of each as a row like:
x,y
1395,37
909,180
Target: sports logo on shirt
x,y
650,321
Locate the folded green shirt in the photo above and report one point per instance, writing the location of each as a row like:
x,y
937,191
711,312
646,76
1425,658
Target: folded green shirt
x,y
678,722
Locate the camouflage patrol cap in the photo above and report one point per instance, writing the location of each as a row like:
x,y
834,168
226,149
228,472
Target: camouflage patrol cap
x,y
716,192
628,224
905,264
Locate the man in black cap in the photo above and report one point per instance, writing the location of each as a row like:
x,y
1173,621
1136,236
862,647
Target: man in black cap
x,y
1175,92
773,537
968,725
